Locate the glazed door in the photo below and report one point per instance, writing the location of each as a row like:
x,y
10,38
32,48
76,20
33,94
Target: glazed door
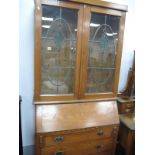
x,y
59,60
101,52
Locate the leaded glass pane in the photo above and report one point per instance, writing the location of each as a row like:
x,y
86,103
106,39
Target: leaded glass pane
x,y
58,54
102,53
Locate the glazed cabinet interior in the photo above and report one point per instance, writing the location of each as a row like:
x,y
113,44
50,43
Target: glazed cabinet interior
x,y
78,48
78,51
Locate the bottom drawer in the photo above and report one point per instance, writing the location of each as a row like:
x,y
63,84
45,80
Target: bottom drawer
x,y
86,148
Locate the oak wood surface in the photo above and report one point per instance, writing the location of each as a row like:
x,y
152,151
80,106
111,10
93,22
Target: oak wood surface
x,y
38,14
74,101
99,133
59,117
37,145
78,53
61,4
94,146
84,55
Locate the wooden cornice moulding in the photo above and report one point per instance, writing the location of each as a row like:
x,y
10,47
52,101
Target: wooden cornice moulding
x,y
103,4
91,2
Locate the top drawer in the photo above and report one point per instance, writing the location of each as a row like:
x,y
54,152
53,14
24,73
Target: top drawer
x,y
78,136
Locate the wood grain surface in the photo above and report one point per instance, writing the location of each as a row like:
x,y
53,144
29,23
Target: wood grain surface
x,y
59,117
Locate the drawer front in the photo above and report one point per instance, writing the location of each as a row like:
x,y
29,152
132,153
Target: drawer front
x,y
103,133
129,105
85,148
127,110
92,134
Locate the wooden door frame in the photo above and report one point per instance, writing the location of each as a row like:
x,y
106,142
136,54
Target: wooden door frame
x,y
84,14
85,52
38,31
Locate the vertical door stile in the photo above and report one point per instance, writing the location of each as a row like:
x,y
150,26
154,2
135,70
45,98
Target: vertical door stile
x,y
79,51
120,48
84,55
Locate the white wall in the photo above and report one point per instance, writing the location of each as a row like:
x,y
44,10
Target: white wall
x,y
26,62
128,46
26,65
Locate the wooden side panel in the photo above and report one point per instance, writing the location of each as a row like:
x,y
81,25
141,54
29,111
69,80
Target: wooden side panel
x,y
38,14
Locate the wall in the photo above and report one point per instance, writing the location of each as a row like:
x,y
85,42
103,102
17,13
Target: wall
x,y
26,65
128,46
26,62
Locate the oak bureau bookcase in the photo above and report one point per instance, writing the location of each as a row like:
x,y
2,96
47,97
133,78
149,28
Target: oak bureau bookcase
x,y
78,48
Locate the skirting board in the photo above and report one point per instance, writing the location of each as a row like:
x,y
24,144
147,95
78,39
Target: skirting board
x,y
28,150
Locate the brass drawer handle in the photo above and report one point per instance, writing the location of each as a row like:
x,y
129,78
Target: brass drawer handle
x,y
129,105
127,110
59,139
99,146
100,133
59,153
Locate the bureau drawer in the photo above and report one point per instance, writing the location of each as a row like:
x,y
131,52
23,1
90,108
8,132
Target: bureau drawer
x,y
85,148
127,110
74,137
126,107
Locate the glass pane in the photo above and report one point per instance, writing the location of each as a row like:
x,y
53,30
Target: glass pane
x,y
59,31
102,53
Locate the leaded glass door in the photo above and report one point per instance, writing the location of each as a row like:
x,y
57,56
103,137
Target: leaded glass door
x,y
100,53
60,50
77,50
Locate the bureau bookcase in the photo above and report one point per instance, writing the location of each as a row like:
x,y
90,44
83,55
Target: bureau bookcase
x,y
78,48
